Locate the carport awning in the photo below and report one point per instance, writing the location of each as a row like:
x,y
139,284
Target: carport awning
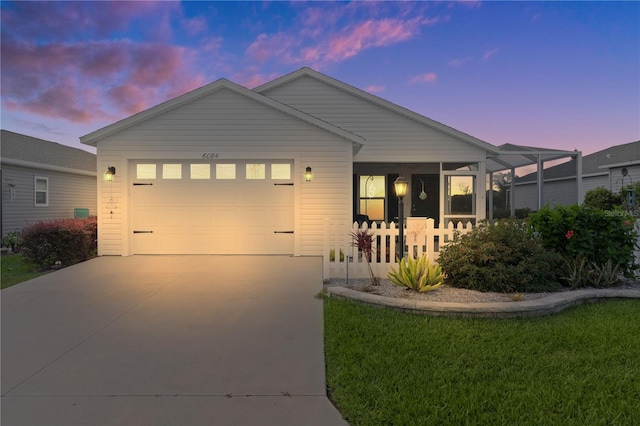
x,y
514,156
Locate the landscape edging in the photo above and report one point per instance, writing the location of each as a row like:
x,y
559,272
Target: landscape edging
x,y
546,305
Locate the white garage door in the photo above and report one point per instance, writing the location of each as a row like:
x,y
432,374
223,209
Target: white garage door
x,y
234,207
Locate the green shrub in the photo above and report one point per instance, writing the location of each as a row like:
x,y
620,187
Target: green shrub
x,y
419,275
595,235
578,273
67,241
502,257
602,198
12,240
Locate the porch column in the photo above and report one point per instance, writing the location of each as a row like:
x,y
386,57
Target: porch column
x,y
579,177
512,193
490,195
540,181
481,199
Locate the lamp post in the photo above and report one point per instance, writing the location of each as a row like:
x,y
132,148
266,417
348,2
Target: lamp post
x,y
400,185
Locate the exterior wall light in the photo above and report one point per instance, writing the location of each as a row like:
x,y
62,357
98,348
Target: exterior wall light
x,y
308,175
108,176
401,184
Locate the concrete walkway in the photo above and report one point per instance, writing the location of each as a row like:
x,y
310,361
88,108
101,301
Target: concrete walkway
x,y
550,304
167,340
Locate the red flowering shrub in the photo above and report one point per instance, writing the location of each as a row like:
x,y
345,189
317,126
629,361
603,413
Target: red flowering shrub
x,y
67,241
597,236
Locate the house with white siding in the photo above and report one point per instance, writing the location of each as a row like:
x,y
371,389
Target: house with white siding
x,y
610,168
228,170
43,180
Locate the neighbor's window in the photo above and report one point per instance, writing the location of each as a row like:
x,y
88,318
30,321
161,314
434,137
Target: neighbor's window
x,y
461,199
225,171
145,171
281,171
200,171
372,196
172,171
41,191
255,171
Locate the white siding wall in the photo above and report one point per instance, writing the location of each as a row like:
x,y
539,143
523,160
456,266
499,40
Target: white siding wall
x,y
66,192
236,128
390,137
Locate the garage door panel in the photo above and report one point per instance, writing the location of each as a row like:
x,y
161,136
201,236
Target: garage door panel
x,y
210,216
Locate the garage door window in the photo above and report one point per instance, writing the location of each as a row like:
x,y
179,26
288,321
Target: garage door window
x,y
281,171
172,171
255,171
200,171
225,171
146,171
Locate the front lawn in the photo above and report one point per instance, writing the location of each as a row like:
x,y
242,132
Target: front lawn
x,y
16,270
579,367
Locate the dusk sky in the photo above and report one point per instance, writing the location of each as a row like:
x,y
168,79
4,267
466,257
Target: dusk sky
x,y
562,75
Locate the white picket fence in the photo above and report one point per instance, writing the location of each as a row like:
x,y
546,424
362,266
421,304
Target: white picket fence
x,y
342,259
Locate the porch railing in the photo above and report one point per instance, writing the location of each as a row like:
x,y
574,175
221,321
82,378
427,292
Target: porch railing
x,y
421,237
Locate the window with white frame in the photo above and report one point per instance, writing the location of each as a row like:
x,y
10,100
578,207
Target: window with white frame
x,y
372,196
41,191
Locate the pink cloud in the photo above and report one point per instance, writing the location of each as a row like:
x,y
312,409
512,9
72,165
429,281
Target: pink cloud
x,y
371,33
93,80
489,54
375,89
460,61
57,101
429,77
267,46
197,25
250,77
90,18
333,34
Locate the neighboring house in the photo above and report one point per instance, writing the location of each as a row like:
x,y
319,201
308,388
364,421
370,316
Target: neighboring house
x,y
43,180
610,168
222,169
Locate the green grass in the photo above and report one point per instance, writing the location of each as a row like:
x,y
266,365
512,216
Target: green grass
x,y
579,367
16,270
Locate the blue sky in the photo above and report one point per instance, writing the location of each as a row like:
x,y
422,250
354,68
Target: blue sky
x,y
562,75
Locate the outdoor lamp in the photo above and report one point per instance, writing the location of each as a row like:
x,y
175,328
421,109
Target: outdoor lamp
x,y
401,185
108,176
308,175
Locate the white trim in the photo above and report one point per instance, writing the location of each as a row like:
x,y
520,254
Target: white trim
x,y
46,167
36,191
626,163
533,182
93,138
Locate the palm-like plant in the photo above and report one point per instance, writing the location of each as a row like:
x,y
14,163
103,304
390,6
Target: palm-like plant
x,y
419,275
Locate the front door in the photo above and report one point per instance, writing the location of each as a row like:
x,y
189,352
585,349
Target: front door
x,y
421,206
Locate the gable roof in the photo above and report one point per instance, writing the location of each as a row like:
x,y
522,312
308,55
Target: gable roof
x,y
308,72
30,151
592,164
94,137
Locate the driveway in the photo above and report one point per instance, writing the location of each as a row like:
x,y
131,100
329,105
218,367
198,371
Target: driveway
x,y
167,340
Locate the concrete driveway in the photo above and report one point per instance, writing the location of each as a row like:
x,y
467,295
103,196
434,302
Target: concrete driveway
x,y
167,340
